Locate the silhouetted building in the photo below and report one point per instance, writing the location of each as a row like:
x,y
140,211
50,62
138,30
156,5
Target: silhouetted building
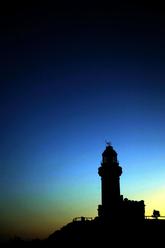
x,y
113,205
120,221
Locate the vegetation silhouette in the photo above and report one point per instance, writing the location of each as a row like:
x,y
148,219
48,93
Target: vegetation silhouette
x,y
119,222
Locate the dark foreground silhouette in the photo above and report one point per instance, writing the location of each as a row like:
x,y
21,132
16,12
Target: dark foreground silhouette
x,y
86,233
105,234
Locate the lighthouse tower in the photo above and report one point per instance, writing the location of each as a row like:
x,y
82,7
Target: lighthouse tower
x,y
110,173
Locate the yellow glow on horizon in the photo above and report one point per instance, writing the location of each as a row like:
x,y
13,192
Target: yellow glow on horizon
x,y
40,222
155,200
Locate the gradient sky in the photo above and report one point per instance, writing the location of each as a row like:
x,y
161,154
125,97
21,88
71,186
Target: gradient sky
x,y
71,79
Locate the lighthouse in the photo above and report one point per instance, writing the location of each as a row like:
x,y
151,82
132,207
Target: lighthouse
x,y
110,173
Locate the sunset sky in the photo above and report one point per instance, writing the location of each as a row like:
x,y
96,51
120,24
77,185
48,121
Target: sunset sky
x,y
72,78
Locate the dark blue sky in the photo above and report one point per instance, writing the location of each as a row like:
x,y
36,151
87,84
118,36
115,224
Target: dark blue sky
x,y
71,78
